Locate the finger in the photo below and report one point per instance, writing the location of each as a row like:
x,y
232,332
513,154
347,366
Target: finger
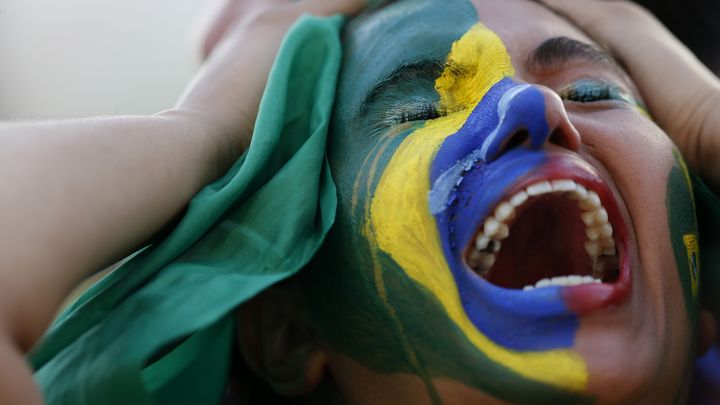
x,y
224,16
228,13
578,9
346,7
597,16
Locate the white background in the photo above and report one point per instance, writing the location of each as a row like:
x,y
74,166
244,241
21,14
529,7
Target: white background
x,y
64,58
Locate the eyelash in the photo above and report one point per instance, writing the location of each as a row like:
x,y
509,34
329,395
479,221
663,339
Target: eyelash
x,y
590,90
416,110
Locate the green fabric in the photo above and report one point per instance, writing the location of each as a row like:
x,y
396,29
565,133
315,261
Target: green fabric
x,y
159,329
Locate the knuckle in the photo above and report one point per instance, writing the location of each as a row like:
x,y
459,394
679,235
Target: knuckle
x,y
627,9
613,16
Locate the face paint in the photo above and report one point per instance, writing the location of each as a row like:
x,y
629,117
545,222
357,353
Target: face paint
x,y
391,289
683,232
465,165
397,298
456,155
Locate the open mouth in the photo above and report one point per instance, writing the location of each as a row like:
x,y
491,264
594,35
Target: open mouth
x,y
561,227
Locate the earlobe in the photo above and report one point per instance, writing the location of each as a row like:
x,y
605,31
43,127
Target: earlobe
x,y
278,344
707,331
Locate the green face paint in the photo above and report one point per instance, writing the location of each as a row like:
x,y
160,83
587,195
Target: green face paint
x,y
684,233
682,220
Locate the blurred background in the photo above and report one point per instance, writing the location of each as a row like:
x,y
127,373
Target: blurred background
x,y
695,22
82,57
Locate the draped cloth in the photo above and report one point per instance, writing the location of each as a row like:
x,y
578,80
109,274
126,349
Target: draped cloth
x,y
159,329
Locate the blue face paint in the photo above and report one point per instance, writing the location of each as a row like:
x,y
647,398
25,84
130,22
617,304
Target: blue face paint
x,y
470,174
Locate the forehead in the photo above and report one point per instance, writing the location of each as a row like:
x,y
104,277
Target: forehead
x,y
523,25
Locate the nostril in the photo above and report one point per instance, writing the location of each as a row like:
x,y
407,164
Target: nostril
x,y
530,117
560,138
517,139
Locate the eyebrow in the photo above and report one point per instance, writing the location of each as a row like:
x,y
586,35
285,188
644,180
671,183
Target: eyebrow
x,y
559,51
422,70
554,52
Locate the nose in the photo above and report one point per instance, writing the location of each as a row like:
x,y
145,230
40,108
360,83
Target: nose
x,y
530,116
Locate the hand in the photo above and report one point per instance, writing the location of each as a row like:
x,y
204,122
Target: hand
x,y
681,93
241,46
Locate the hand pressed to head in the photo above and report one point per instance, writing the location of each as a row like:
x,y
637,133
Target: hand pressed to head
x,y
511,224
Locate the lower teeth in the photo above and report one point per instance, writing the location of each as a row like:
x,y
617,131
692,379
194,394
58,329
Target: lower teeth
x,y
563,281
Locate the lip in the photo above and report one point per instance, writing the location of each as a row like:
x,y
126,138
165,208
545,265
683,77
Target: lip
x,y
585,298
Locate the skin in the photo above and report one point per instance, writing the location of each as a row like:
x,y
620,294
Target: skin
x,y
385,327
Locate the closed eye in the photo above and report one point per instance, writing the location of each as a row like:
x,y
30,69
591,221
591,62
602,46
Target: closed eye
x,y
592,90
417,109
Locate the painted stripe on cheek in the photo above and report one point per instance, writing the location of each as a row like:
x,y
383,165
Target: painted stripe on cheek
x,y
400,222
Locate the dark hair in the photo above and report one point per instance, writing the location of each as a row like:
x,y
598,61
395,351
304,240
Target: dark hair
x,y
694,22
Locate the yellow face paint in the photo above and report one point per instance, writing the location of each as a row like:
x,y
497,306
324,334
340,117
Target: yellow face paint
x,y
693,253
400,224
476,62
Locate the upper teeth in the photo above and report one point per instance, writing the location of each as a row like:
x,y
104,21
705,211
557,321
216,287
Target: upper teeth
x,y
598,230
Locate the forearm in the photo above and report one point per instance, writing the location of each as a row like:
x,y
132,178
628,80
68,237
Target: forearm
x,y
86,192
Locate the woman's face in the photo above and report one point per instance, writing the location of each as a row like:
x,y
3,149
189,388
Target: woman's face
x,y
511,223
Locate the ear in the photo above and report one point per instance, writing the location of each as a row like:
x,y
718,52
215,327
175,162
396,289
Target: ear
x,y
707,331
278,343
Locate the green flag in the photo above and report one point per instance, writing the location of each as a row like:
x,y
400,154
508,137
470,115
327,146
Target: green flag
x,y
159,329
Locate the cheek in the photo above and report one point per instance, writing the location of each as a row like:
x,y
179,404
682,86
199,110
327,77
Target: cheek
x,y
654,186
354,160
639,156
398,220
655,183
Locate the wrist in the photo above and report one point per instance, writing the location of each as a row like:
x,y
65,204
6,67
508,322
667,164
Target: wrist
x,y
708,143
218,144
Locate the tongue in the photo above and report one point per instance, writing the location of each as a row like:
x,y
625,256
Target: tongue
x,y
546,240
